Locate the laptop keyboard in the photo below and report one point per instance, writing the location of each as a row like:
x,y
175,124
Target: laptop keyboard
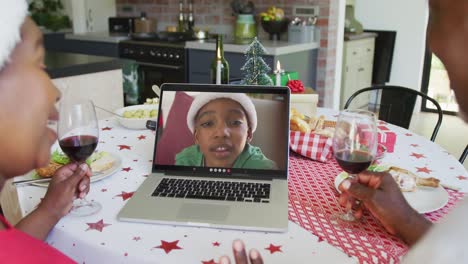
x,y
214,190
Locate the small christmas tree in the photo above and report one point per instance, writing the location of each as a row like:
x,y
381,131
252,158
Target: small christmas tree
x,y
255,68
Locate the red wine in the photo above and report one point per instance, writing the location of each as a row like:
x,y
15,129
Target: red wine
x,y
79,148
354,162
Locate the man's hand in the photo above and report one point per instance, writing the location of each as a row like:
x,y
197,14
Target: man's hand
x,y
69,182
379,193
240,256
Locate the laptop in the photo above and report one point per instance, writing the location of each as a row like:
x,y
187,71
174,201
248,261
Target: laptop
x,y
220,159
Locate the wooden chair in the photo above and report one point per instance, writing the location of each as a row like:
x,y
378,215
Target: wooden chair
x,y
394,104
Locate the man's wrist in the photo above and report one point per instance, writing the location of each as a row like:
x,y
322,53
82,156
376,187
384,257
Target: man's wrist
x,y
415,226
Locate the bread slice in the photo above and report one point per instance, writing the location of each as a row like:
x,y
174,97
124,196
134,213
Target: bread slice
x,y
408,181
102,163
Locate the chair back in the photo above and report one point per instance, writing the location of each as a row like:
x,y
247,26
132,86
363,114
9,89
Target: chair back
x,y
393,104
464,154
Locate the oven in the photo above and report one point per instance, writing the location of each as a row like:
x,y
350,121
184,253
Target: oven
x,y
158,63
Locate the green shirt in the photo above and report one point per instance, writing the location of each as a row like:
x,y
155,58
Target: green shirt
x,y
251,158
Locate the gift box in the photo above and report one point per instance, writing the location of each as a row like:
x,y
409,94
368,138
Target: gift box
x,y
316,147
386,138
305,103
293,75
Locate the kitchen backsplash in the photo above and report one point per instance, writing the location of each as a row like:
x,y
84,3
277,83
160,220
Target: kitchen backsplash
x,y
217,16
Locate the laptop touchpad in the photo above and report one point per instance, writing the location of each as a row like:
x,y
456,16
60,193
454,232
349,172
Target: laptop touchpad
x,y
203,211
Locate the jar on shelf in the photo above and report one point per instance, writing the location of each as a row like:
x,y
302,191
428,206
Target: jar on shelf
x,y
245,29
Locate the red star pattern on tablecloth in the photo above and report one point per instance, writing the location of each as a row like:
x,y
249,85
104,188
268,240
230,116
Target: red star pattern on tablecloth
x,y
127,169
417,155
137,238
141,137
99,225
122,147
414,145
424,169
106,128
216,244
462,178
125,195
211,261
103,190
408,134
272,248
168,246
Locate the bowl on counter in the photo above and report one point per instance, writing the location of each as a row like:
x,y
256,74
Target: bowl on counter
x,y
275,27
135,116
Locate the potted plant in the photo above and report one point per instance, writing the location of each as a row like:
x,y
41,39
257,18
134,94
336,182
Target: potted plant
x,y
49,14
245,30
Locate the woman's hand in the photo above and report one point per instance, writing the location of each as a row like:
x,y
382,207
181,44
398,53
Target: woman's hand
x,y
379,193
69,182
240,256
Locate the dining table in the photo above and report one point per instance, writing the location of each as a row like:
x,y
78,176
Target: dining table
x,y
313,235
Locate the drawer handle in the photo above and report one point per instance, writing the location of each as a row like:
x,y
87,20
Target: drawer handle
x,y
354,53
360,69
369,50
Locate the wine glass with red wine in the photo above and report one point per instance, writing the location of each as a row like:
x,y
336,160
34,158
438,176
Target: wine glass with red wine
x,y
78,134
355,144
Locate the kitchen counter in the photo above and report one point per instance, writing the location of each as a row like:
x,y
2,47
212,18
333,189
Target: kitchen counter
x,y
98,37
63,64
272,47
352,36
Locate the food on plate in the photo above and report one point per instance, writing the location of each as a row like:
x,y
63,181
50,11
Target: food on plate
x,y
99,162
49,170
316,125
152,101
140,113
409,181
102,161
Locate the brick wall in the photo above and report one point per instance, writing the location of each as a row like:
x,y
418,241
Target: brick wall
x,y
217,13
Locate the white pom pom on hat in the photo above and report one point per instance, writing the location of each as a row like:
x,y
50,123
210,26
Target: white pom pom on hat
x,y
204,98
12,16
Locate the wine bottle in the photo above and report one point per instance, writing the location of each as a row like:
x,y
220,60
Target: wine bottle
x,y
219,66
191,21
181,20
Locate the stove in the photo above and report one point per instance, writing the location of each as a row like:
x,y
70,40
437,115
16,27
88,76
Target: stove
x,y
161,58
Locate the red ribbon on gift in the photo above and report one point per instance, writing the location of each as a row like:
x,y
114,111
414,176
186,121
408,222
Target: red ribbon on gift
x,y
296,86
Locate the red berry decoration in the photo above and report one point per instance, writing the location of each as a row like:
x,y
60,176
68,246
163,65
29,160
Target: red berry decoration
x,y
296,86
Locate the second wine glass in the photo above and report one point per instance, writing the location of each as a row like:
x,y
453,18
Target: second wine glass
x,y
355,144
78,134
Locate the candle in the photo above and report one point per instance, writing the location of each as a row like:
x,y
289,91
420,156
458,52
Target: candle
x,y
278,73
218,72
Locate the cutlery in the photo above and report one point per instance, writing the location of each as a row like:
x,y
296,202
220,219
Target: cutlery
x,y
44,180
105,110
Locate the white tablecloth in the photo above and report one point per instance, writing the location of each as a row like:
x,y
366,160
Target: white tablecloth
x,y
101,238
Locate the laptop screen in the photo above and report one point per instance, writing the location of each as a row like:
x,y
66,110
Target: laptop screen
x,y
223,130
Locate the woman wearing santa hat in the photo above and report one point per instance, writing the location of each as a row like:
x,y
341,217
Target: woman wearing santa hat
x,y
27,104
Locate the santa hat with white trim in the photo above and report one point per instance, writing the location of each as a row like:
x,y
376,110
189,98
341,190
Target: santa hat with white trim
x,y
204,98
12,16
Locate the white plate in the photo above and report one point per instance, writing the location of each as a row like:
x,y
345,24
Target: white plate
x,y
423,200
115,167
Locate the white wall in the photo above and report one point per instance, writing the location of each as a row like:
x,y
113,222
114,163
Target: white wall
x,y
409,19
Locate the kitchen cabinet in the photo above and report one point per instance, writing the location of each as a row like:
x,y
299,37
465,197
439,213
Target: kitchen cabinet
x,y
358,57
